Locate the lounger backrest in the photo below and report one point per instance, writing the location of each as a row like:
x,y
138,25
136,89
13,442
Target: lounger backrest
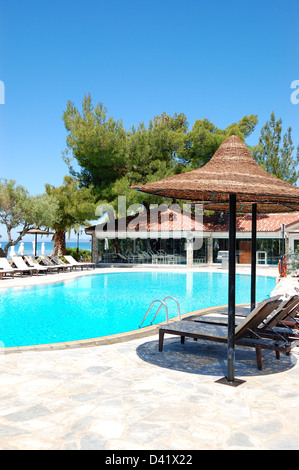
x,y
70,259
46,259
56,260
19,262
31,260
255,318
286,308
4,264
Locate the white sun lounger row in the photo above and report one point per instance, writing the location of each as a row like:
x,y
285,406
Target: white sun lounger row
x,y
29,265
56,262
21,268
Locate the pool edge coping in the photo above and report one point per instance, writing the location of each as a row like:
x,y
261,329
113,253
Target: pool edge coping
x,y
103,270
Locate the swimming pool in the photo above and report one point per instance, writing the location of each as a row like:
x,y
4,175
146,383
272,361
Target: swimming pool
x,y
103,304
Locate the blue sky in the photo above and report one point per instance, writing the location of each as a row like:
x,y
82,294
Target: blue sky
x,y
219,60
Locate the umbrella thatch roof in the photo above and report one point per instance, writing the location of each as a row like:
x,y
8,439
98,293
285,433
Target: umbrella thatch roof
x,y
39,231
231,170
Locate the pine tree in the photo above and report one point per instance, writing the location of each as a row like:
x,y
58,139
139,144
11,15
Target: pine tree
x,y
274,151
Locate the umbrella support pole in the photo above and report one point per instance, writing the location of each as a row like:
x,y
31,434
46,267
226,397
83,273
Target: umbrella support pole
x,y
253,256
231,290
230,378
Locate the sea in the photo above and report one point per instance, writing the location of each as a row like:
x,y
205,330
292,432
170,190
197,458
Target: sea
x,y
48,247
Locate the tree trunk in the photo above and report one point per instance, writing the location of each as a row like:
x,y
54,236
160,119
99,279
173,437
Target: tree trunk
x,y
59,248
12,242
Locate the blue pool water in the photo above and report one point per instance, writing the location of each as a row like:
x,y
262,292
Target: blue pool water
x,y
104,304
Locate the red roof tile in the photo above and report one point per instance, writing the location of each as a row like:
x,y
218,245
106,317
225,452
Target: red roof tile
x,y
179,221
265,222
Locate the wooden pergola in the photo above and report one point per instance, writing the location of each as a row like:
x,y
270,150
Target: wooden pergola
x,y
231,181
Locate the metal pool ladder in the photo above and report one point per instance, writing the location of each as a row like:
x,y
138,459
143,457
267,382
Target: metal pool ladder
x,y
162,302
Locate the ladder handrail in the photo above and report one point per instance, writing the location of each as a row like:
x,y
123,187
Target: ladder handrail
x,y
177,302
153,302
166,309
178,305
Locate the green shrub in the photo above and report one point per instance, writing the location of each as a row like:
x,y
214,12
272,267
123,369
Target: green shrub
x,y
82,255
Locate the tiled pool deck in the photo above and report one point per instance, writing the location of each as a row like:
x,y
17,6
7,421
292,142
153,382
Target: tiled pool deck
x,y
128,396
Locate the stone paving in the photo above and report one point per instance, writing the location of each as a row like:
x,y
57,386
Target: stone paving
x,y
128,396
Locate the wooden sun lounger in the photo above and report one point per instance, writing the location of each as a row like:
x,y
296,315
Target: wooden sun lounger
x,y
245,332
60,263
4,272
75,263
283,316
6,267
31,261
22,266
217,333
46,261
50,267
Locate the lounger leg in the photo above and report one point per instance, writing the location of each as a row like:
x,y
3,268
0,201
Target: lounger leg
x,y
182,339
277,353
161,339
259,360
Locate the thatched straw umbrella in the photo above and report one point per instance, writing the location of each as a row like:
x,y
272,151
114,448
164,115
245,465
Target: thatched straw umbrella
x,y
38,231
231,181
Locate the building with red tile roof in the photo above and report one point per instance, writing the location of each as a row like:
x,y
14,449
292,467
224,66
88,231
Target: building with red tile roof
x,y
163,235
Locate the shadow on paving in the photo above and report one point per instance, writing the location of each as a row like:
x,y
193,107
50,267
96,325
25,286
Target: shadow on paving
x,y
206,358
